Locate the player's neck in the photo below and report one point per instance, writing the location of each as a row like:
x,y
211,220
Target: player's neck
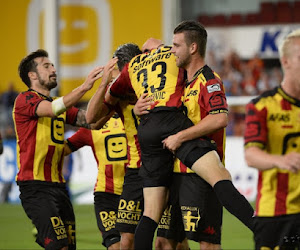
x,y
291,88
41,90
193,67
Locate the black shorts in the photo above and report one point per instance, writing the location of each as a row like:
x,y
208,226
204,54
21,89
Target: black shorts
x,y
50,210
131,203
106,208
157,162
170,225
277,232
200,211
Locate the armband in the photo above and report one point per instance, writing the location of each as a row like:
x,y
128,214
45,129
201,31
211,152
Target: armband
x,y
58,106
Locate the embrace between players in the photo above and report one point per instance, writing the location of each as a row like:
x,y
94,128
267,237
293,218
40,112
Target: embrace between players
x,y
175,134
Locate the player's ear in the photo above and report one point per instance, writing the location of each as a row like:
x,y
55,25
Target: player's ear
x,y
193,48
32,75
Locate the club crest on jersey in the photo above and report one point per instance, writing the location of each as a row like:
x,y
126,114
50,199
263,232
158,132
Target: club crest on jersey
x,y
213,88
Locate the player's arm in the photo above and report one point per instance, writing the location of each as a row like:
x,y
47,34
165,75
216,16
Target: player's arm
x,y
60,105
81,138
82,122
256,140
96,108
210,124
67,149
261,160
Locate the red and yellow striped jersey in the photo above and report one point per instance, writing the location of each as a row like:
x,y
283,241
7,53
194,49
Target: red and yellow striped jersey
x,y
155,73
131,122
273,124
204,95
109,146
40,140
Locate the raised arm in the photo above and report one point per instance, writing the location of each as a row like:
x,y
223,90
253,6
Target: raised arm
x,y
60,105
96,109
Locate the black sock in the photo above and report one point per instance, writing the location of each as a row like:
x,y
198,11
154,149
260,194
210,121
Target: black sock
x,y
144,233
234,202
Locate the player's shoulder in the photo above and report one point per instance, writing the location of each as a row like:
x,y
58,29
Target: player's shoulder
x,y
26,96
208,73
265,96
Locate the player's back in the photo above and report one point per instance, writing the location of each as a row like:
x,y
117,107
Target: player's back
x,y
156,73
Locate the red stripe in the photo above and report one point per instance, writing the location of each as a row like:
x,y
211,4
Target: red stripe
x,y
175,98
48,163
109,183
182,168
128,153
259,186
26,157
281,194
137,144
60,166
285,105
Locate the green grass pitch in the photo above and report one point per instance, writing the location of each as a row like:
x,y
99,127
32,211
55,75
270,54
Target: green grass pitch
x,y
15,230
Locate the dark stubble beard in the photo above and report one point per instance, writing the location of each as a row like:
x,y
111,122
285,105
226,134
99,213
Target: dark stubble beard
x,y
50,85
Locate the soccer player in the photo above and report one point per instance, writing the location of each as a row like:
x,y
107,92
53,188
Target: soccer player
x,y
272,146
131,203
109,146
156,73
204,98
39,123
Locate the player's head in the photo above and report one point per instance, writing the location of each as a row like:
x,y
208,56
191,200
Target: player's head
x,y
36,66
150,44
289,50
125,53
194,32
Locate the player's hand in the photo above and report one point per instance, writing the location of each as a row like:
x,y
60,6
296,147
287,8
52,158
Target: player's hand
x,y
108,69
93,76
142,105
290,161
173,142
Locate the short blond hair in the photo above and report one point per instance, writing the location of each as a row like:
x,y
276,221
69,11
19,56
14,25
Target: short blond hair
x,y
284,46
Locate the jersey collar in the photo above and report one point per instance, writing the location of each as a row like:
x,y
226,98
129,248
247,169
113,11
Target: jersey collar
x,y
288,97
198,72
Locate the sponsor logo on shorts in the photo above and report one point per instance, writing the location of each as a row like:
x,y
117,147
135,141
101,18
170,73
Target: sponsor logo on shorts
x,y
129,213
108,219
164,222
191,217
59,228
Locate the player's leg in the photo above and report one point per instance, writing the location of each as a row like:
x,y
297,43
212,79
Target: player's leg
x,y
40,203
170,232
106,208
154,201
200,210
131,206
210,168
67,216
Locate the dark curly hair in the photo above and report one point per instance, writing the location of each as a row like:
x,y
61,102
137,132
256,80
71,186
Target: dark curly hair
x,y
125,53
28,64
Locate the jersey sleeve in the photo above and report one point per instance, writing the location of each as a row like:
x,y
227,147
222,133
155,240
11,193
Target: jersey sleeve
x,y
72,115
213,97
26,105
122,84
83,137
256,127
